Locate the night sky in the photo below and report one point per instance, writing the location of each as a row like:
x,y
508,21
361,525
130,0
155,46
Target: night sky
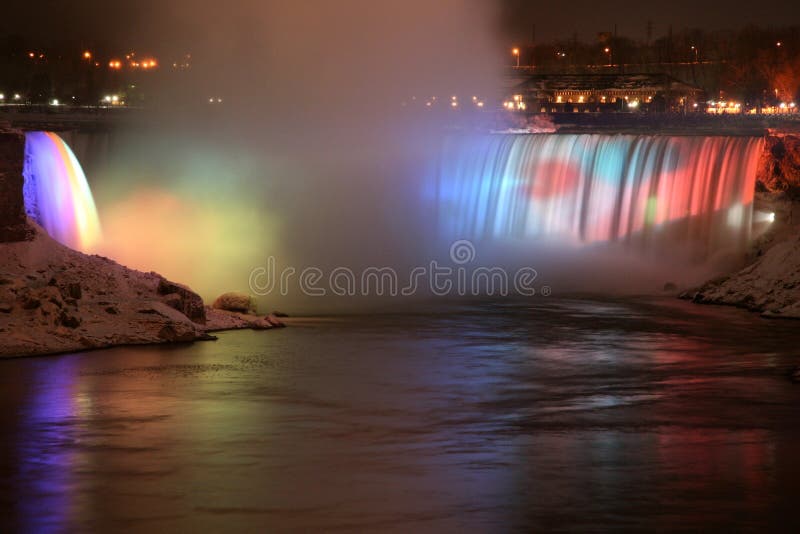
x,y
560,20
168,25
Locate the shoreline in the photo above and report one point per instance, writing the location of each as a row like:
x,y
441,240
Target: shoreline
x,y
55,300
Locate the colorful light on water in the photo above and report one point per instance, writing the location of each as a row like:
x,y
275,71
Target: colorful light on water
x,y
57,195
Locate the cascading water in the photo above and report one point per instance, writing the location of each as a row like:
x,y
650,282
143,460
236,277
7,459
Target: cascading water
x,y
694,190
57,195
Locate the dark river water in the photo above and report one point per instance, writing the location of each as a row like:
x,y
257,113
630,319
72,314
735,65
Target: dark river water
x,y
581,415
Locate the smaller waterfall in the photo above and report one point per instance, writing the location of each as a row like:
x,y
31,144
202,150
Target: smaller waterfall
x,y
57,195
658,191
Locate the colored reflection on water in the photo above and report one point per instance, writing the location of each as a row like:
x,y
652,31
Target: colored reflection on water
x,y
544,414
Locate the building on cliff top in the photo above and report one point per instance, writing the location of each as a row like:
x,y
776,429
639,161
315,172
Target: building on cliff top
x,y
575,93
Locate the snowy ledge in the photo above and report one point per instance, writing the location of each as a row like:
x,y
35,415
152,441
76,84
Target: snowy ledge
x,y
54,300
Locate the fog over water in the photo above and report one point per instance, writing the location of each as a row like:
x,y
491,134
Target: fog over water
x,y
310,157
313,159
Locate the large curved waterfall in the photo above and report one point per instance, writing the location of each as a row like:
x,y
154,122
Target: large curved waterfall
x,y
599,188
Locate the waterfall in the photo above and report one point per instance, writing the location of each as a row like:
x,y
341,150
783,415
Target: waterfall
x,y
57,195
645,190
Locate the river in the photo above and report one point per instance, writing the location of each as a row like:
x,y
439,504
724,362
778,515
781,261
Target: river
x,y
575,414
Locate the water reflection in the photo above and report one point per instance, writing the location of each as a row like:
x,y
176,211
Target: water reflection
x,y
544,414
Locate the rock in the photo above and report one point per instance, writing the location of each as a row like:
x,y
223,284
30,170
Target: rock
x,y
183,299
70,321
274,321
173,300
219,320
5,307
171,334
779,166
74,291
29,302
13,224
670,286
235,302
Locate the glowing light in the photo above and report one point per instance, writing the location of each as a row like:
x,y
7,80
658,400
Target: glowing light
x,y
2,96
57,195
771,217
633,104
54,102
17,96
87,55
545,186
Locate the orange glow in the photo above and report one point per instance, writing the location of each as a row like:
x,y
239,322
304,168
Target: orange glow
x,y
515,51
87,55
115,64
31,54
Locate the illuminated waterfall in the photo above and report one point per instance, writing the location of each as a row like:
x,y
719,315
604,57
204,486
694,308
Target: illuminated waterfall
x,y
598,188
57,195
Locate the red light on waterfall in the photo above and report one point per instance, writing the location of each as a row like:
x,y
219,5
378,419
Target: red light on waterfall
x,y
554,178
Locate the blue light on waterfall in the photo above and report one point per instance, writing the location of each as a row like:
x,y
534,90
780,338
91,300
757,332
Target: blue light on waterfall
x,y
56,193
595,188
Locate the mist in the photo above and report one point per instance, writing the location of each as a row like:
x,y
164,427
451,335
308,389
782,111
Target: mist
x,y
310,158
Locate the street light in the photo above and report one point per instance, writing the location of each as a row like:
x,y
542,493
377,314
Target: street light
x,y
694,49
515,53
607,50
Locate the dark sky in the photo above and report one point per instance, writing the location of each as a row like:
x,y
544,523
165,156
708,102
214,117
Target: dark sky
x,y
152,23
561,19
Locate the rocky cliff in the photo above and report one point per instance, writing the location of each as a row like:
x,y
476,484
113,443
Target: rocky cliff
x,y
12,207
779,167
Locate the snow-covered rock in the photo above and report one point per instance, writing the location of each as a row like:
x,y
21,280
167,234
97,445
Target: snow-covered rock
x,y
235,302
217,320
771,284
54,299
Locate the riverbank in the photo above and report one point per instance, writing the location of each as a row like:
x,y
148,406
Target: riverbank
x,y
770,283
54,299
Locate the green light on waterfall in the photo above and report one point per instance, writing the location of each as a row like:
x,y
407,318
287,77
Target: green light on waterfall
x,y
650,210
